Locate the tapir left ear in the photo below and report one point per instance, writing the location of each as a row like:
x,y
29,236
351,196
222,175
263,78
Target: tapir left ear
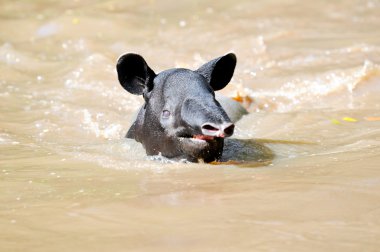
x,y
134,74
219,71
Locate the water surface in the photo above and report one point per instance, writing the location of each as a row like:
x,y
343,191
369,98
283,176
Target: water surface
x,y
70,182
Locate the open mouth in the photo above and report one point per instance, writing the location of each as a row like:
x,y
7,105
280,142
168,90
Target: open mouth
x,y
203,147
203,137
199,138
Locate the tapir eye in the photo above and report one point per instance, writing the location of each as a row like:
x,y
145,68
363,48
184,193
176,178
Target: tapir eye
x,y
165,114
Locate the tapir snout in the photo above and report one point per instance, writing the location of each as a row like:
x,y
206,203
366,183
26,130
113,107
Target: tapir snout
x,y
207,116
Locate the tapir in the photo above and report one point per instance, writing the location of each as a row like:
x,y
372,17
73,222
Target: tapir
x,y
181,117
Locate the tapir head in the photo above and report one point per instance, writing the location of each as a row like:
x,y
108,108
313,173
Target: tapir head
x,y
181,117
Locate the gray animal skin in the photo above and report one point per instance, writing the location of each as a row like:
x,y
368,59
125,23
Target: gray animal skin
x,y
181,119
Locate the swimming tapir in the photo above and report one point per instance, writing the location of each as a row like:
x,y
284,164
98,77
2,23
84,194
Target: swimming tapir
x,y
181,117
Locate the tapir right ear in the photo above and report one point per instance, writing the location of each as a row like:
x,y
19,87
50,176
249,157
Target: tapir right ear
x,y
134,74
219,71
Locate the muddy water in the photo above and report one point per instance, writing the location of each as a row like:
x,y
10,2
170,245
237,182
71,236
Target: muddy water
x,y
70,182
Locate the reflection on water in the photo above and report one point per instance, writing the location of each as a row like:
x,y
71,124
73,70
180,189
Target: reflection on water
x,y
70,181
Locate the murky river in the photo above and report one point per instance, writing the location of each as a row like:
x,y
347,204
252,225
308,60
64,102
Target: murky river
x,y
70,182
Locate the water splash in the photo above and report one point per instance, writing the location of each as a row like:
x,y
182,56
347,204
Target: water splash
x,y
338,89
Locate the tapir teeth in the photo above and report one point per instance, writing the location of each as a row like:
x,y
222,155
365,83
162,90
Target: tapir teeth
x,y
203,137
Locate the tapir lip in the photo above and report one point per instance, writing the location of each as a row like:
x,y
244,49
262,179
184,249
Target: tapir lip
x,y
203,137
199,137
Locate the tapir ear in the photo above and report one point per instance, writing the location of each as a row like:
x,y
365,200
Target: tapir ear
x,y
219,71
134,74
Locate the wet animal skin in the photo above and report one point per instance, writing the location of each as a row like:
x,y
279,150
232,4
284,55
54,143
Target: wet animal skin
x,y
181,118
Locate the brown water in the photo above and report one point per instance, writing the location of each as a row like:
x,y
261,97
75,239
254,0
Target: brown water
x,y
70,182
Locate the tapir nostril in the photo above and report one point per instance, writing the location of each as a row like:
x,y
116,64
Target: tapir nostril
x,y
209,127
229,130
218,130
